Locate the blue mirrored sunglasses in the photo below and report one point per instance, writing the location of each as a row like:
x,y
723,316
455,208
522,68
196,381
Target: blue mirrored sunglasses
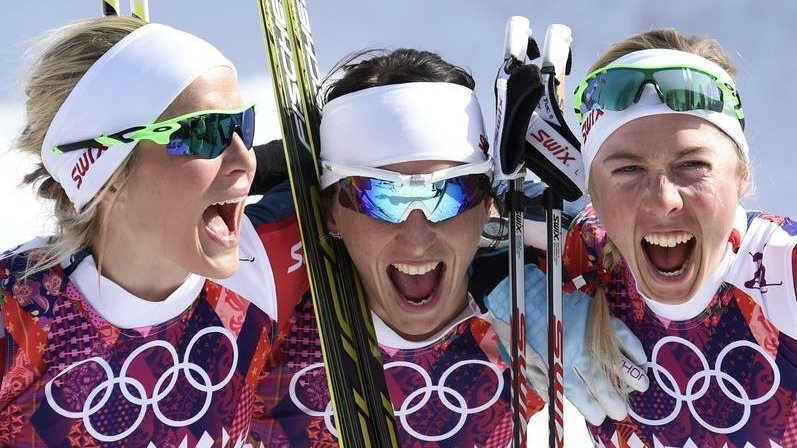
x,y
393,201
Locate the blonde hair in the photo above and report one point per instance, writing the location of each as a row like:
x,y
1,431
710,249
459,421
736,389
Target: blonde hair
x,y
68,54
602,342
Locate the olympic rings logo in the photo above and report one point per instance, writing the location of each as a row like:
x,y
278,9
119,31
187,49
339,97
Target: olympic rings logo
x,y
163,387
412,403
690,395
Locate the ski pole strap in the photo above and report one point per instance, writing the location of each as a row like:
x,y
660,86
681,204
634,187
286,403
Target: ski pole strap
x,y
552,150
522,91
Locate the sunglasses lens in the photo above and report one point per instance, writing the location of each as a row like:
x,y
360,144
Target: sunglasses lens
x,y
459,195
684,89
612,90
246,124
681,89
207,135
390,201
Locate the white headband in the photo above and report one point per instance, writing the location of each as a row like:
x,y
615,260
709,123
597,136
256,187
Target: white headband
x,y
598,125
130,85
398,123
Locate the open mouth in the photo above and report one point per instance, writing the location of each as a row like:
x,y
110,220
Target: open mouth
x,y
669,253
221,220
416,283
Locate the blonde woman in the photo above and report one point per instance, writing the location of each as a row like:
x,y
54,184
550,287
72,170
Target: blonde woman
x,y
708,287
114,333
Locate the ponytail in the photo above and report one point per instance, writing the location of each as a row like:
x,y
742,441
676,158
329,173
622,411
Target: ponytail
x,y
602,343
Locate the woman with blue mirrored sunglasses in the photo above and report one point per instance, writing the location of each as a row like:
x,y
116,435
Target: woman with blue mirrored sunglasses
x,y
406,179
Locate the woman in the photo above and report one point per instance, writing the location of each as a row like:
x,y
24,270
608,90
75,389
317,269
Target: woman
x,y
406,181
114,333
708,287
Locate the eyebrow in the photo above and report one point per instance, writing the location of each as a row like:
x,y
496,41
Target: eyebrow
x,y
626,155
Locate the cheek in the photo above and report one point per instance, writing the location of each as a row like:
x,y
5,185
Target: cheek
x,y
617,213
168,193
362,236
463,232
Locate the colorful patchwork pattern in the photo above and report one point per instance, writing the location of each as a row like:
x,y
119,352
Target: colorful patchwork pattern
x,y
454,392
724,379
72,379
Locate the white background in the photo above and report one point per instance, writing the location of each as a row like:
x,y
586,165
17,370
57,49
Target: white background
x,y
760,36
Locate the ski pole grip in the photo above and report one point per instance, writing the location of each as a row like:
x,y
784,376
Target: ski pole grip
x,y
556,48
516,37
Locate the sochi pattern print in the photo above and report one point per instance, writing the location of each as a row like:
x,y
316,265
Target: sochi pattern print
x,y
726,378
70,378
451,390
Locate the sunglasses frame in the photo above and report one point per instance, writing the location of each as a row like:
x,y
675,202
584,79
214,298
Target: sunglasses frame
x,y
159,132
727,90
345,187
412,180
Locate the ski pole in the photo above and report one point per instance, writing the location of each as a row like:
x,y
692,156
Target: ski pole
x,y
555,52
516,97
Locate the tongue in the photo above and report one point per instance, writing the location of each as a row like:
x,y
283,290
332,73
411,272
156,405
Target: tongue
x,y
667,259
214,222
415,287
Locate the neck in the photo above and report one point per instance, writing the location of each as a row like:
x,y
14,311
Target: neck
x,y
141,272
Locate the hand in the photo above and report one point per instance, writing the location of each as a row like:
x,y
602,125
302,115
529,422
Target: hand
x,y
585,386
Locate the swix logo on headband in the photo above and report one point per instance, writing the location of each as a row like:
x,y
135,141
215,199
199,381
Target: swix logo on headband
x,y
561,151
84,164
589,121
483,143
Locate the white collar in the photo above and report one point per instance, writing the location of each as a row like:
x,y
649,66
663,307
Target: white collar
x,y
125,310
387,337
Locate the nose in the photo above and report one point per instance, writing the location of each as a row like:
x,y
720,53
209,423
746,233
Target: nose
x,y
417,232
237,158
665,195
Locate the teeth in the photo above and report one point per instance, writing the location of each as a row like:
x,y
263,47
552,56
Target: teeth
x,y
668,240
673,273
228,201
423,301
412,269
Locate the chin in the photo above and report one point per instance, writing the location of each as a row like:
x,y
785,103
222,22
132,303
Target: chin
x,y
219,267
671,292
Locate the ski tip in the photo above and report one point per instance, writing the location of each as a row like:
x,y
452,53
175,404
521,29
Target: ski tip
x,y
110,7
140,9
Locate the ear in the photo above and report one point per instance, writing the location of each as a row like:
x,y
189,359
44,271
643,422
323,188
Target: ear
x,y
330,211
107,196
332,224
744,178
490,207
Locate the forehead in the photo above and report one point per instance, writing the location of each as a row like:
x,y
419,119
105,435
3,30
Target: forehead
x,y
665,136
420,166
216,89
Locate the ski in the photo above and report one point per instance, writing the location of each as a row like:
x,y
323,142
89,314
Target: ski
x,y
140,9
355,375
110,8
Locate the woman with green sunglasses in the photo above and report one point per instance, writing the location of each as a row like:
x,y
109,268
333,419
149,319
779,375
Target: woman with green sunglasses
x,y
114,331
708,287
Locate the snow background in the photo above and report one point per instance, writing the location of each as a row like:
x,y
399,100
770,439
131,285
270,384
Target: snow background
x,y
465,32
